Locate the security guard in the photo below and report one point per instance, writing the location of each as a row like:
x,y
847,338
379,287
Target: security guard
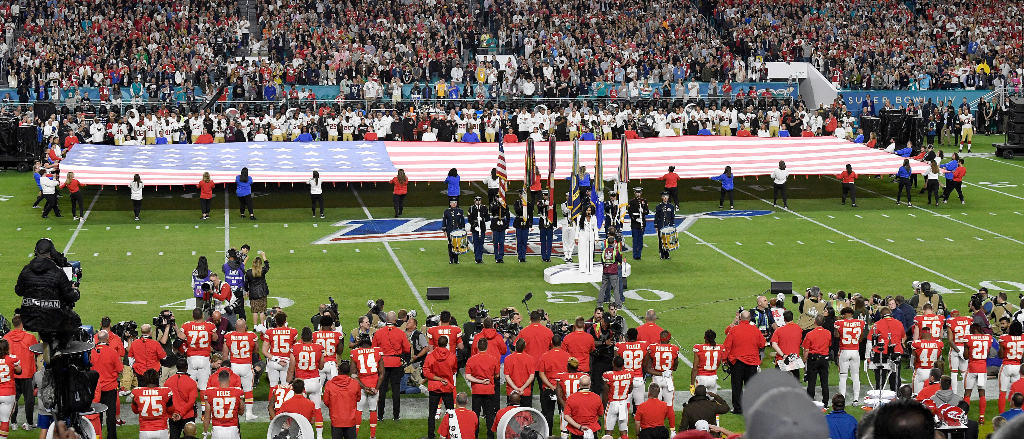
x,y
454,219
478,217
522,225
499,223
612,216
664,216
638,211
547,225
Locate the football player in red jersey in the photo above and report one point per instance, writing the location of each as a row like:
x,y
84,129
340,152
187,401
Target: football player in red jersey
x,y
633,352
661,361
618,386
366,361
9,366
959,328
1011,348
198,336
222,407
978,346
568,383
153,405
277,348
277,396
331,342
305,363
239,346
931,320
445,329
706,359
851,332
926,355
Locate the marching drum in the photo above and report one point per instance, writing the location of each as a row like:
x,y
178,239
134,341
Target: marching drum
x,y
459,241
669,238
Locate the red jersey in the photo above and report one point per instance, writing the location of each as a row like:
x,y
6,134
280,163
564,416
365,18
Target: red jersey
x,y
850,331
329,340
653,413
153,405
367,363
452,332
649,332
520,367
788,337
586,409
959,328
552,363
569,382
279,394
240,346
579,344
233,379
7,365
1012,348
225,404
483,367
933,322
538,340
307,360
926,353
301,406
707,358
619,384
198,336
632,353
281,340
662,356
977,352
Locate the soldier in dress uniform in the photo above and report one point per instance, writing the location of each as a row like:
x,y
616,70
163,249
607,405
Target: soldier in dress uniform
x,y
638,211
547,228
612,216
454,219
522,225
478,217
499,223
664,216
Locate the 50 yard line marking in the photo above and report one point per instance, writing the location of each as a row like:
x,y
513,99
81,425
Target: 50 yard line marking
x,y
80,223
387,246
855,239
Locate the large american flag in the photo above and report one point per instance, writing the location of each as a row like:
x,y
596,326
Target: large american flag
x,y
693,156
502,170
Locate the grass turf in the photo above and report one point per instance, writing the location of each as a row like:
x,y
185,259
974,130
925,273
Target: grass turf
x,y
721,265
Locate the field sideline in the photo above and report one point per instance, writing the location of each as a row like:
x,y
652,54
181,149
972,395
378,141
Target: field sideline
x,y
132,269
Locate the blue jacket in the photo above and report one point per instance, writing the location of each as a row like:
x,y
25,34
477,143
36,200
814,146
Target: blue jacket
x,y
584,180
453,186
37,176
242,188
304,137
1012,413
859,139
905,152
726,181
950,167
841,425
903,172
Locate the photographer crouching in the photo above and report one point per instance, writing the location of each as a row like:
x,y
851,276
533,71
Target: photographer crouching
x,y
48,297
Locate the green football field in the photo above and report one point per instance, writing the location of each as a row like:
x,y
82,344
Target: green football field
x,y
134,269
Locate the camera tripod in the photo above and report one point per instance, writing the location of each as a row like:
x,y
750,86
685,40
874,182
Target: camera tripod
x,y
65,367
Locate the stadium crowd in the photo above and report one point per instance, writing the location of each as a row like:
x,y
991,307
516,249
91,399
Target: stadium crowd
x,y
595,370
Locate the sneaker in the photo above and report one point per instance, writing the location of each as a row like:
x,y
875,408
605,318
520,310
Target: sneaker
x,y
136,218
37,207
60,216
853,205
910,205
123,392
963,202
28,427
424,390
322,216
120,422
74,218
252,217
732,208
242,216
981,420
250,417
945,201
45,216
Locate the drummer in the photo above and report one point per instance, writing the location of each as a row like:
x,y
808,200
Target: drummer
x,y
664,217
454,219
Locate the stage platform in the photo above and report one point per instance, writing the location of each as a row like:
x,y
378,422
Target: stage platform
x,y
375,161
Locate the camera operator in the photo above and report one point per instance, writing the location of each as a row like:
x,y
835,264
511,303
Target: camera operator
x,y
810,308
378,318
472,326
762,317
361,331
924,294
605,338
394,346
48,297
1000,307
886,340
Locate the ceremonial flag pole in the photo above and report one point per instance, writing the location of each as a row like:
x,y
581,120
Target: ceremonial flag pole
x,y
597,187
502,171
551,179
574,184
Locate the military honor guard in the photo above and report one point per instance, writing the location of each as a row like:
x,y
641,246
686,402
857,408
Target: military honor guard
x,y
454,225
547,225
612,212
499,223
665,224
638,211
478,218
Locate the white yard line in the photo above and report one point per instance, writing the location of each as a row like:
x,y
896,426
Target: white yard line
x,y
227,223
855,239
401,269
993,190
936,213
701,241
82,222
1000,161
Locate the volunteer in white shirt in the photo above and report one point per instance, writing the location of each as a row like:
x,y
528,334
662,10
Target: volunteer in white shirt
x,y
779,177
316,193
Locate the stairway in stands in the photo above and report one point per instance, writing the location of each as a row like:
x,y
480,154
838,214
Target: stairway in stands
x,y
250,9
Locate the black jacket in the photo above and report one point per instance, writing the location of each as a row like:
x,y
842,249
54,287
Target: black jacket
x,y
257,286
702,407
48,297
